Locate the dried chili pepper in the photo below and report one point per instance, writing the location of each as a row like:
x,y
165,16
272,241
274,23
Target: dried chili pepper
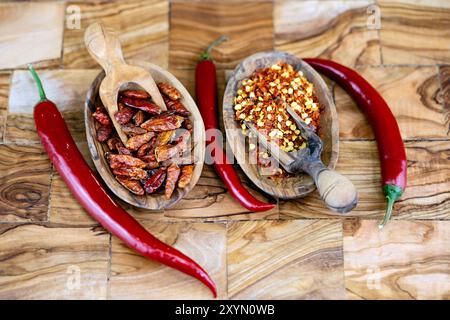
x,y
89,191
185,176
124,115
173,172
163,123
135,94
122,161
102,117
164,137
131,129
135,142
177,107
139,118
206,91
169,91
131,172
143,105
155,181
132,185
387,134
104,133
125,151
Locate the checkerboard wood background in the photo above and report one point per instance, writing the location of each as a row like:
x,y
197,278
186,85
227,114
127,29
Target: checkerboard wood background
x,y
300,250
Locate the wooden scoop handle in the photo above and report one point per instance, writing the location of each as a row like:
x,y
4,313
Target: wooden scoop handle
x,y
104,46
337,191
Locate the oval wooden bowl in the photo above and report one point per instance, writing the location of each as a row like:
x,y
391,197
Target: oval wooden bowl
x,y
155,201
299,185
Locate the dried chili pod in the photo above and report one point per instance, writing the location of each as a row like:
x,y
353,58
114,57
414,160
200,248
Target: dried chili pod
x,y
122,161
132,185
176,106
144,149
155,181
125,151
102,117
139,118
114,143
124,116
164,123
186,176
183,160
135,94
173,172
164,137
131,129
171,92
104,133
131,172
143,105
135,142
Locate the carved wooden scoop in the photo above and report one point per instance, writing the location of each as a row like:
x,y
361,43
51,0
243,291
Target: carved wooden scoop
x,y
104,47
337,191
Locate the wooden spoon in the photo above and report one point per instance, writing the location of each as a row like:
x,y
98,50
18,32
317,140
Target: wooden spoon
x,y
104,46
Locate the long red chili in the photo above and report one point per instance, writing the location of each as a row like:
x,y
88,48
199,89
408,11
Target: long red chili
x,y
88,190
206,91
387,134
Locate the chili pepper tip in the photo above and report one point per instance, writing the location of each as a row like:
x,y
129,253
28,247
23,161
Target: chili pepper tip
x,y
206,55
38,83
392,193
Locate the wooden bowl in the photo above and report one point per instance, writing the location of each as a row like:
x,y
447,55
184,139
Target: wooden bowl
x,y
155,201
299,185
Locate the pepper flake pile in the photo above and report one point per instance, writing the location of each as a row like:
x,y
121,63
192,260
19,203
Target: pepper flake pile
x,y
262,100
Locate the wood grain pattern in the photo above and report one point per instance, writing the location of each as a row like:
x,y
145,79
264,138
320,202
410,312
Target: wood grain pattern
x,y
5,78
412,95
143,27
285,260
66,88
24,183
40,262
248,26
444,94
406,260
426,197
134,277
334,30
415,32
22,37
64,208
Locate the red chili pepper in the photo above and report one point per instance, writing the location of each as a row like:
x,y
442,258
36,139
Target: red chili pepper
x,y
206,91
89,191
387,134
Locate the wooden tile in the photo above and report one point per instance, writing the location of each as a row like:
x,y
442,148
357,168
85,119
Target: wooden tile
x,y
194,25
135,277
299,259
412,95
40,262
5,78
25,38
210,199
415,32
143,28
406,260
64,208
426,196
24,183
66,88
334,30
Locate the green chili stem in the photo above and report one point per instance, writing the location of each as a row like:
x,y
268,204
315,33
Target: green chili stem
x,y
392,193
206,55
38,83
